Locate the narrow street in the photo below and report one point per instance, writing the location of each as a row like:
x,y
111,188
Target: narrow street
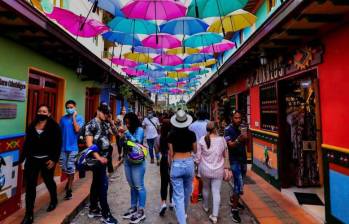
x,y
119,203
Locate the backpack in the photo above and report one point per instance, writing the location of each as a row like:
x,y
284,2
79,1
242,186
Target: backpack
x,y
82,138
136,153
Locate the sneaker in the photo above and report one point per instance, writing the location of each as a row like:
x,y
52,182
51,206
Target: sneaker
x,y
130,212
213,219
52,206
236,217
171,206
205,209
68,195
94,213
109,219
158,163
152,161
163,210
28,219
137,217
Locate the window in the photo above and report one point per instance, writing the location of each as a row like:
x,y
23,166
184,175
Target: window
x,y
269,107
95,40
270,4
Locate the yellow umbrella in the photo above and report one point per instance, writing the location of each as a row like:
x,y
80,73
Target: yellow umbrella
x,y
179,50
138,57
177,75
204,64
233,22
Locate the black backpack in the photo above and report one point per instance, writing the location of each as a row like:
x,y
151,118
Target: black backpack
x,y
82,138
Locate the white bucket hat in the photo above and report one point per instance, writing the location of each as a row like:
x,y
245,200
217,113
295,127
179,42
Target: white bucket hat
x,y
181,119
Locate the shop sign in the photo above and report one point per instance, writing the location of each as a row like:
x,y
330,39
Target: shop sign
x,y
272,71
12,89
8,110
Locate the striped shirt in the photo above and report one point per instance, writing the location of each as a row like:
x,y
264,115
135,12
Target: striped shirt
x,y
211,161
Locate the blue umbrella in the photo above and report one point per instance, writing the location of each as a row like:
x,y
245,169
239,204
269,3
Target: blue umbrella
x,y
197,58
203,39
147,50
122,39
184,26
132,26
112,6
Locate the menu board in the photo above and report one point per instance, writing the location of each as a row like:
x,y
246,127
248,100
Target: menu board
x,y
12,89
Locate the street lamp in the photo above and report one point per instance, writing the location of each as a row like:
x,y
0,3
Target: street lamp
x,y
263,58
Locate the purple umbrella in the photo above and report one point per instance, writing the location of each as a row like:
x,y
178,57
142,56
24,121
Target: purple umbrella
x,y
77,25
166,59
161,40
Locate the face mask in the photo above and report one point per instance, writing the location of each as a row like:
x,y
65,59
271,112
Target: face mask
x,y
70,111
41,117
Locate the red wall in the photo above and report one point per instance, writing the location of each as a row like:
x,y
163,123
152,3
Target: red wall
x,y
334,88
255,107
237,87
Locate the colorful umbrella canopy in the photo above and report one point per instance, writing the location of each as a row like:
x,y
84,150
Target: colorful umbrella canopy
x,y
202,39
191,69
197,58
132,26
138,57
225,45
132,72
177,75
123,62
111,6
233,22
205,63
154,9
155,74
166,59
164,80
177,91
147,50
214,8
161,40
184,26
179,50
122,38
77,25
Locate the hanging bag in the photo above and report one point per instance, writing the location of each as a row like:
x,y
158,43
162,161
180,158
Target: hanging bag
x,y
136,153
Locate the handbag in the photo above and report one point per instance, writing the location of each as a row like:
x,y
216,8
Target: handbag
x,y
136,153
85,160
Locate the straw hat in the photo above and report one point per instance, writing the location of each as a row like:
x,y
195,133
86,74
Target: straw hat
x,y
181,119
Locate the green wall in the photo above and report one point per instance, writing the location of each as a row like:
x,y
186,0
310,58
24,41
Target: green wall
x,y
15,60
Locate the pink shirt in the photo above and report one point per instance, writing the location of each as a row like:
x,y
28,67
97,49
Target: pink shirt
x,y
211,161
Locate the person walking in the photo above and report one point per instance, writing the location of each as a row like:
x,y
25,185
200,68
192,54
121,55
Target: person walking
x,y
161,146
70,124
236,142
151,125
199,126
120,125
135,172
213,166
97,133
182,142
41,150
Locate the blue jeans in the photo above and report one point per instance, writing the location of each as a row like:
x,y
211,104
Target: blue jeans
x,y
239,172
99,189
151,143
182,174
135,178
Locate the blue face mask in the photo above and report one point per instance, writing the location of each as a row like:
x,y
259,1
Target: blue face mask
x,y
70,111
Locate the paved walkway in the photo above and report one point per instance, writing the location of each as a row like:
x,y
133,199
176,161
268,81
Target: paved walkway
x,y
119,202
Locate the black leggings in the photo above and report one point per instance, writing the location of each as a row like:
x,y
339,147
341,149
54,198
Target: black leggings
x,y
32,169
165,179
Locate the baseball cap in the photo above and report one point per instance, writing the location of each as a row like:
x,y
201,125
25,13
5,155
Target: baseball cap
x,y
104,108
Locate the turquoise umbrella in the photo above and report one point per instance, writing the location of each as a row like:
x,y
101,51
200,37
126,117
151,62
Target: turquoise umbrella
x,y
214,8
132,26
164,80
203,39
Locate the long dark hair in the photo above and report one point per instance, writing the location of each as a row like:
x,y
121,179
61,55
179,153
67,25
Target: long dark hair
x,y
164,132
133,121
211,127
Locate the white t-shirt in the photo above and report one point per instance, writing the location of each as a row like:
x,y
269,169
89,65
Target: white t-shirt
x,y
199,128
149,129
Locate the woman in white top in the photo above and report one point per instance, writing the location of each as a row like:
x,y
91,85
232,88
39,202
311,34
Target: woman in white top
x,y
213,163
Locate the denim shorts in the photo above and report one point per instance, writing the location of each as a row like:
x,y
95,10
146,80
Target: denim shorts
x,y
67,161
239,172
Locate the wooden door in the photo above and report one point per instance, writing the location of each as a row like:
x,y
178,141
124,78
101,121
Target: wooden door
x,y
91,103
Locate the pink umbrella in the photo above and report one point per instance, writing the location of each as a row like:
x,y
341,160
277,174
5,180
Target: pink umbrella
x,y
177,91
124,62
165,59
154,9
161,40
77,25
133,72
217,48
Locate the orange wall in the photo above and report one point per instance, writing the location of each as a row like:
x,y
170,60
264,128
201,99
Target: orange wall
x,y
334,88
255,107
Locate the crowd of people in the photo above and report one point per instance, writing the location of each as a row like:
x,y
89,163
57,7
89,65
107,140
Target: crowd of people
x,y
184,146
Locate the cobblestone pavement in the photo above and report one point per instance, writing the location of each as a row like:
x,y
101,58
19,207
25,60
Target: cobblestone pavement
x,y
119,201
